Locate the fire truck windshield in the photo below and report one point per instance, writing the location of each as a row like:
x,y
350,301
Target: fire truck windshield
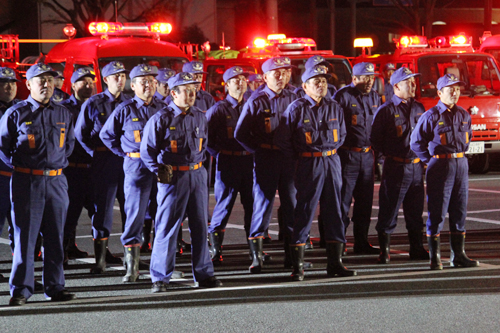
x,y
479,72
131,62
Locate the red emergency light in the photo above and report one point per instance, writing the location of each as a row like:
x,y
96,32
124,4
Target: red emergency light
x,y
438,42
411,41
283,43
105,28
460,40
137,29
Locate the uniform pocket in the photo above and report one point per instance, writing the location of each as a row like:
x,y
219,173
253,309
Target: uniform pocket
x,y
444,134
333,130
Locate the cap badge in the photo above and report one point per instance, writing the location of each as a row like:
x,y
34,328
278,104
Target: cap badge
x,y
197,66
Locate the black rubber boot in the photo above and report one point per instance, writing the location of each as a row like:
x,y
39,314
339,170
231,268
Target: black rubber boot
x,y
458,258
309,245
146,236
297,253
74,252
132,256
361,245
335,267
434,243
100,248
288,262
417,250
216,239
38,248
111,259
321,229
267,238
256,250
384,241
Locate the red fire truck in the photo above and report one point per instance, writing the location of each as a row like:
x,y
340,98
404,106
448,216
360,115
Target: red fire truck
x,y
480,96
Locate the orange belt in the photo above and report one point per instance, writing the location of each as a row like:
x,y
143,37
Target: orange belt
x,y
454,155
134,155
404,160
6,173
39,172
319,153
267,146
102,149
186,167
357,149
234,153
79,165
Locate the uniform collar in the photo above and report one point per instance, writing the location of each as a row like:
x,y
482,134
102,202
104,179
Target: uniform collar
x,y
74,101
34,104
140,103
441,107
271,94
159,96
311,101
398,100
112,98
234,103
176,109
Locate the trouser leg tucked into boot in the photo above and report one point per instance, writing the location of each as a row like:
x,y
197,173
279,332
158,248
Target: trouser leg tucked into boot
x,y
335,267
384,241
417,250
267,238
458,258
297,253
100,248
288,262
434,243
216,239
132,256
256,251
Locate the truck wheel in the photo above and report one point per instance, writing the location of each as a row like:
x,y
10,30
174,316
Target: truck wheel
x,y
479,163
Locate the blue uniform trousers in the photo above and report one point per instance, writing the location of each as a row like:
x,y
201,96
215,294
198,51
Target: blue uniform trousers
x,y
401,184
273,170
357,183
139,188
447,192
234,174
39,205
108,178
318,179
4,199
80,193
186,194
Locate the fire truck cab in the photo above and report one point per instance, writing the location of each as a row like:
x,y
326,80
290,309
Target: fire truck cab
x,y
297,49
480,96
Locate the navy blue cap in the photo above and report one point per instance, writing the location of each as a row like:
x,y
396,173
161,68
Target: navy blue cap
x,y
315,60
232,72
7,74
181,79
193,67
143,70
81,73
364,68
39,69
402,74
276,63
113,67
389,67
313,71
448,80
59,75
164,74
255,77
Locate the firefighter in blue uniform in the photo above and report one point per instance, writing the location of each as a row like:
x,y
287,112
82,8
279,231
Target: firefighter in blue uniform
x,y
254,81
80,189
122,134
440,140
59,95
388,71
314,61
272,169
36,138
312,129
162,89
173,147
8,91
107,168
234,164
359,102
402,181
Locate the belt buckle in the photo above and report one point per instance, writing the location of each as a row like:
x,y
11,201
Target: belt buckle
x,y
46,172
191,167
324,153
364,150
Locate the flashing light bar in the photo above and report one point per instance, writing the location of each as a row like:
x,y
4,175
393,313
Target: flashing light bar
x,y
117,28
411,41
460,40
260,42
283,42
363,42
438,42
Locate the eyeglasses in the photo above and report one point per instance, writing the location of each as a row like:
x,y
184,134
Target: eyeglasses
x,y
187,90
145,82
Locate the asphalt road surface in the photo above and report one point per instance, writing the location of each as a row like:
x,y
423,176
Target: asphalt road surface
x,y
403,296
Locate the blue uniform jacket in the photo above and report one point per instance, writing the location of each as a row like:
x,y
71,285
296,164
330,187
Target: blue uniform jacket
x,y
36,137
307,127
79,154
204,100
222,119
159,96
174,137
3,107
359,109
388,91
123,130
261,116
441,131
392,126
330,93
95,111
